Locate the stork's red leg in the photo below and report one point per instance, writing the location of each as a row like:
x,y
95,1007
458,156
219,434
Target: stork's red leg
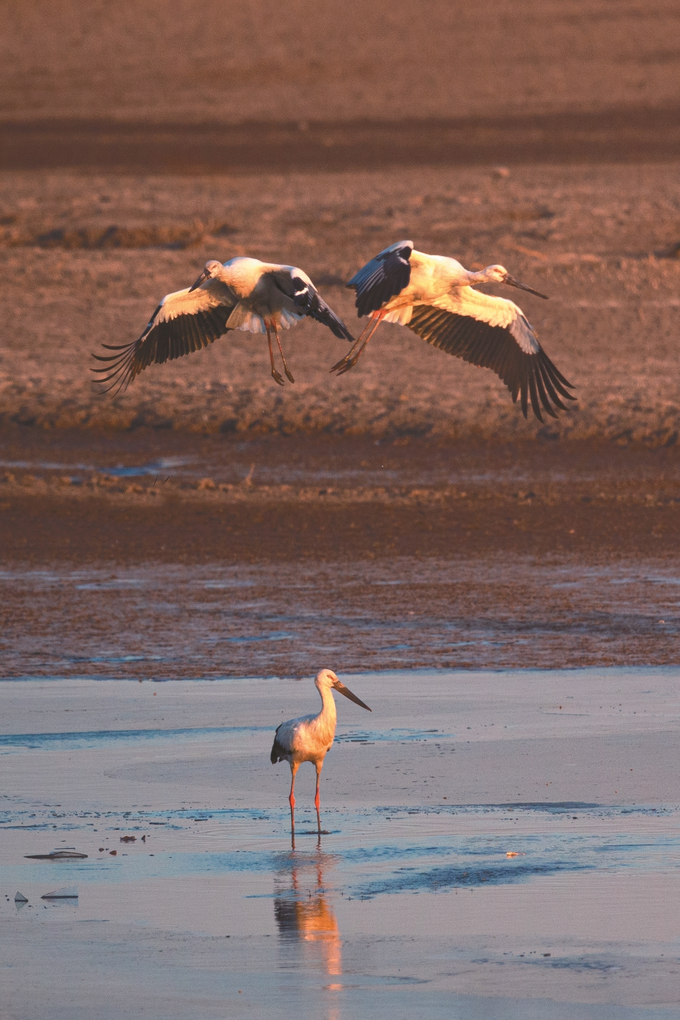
x,y
357,342
350,360
317,798
276,376
283,356
291,798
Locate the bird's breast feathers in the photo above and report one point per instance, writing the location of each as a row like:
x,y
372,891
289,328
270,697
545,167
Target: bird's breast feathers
x,y
432,278
242,274
258,296
310,737
245,318
250,278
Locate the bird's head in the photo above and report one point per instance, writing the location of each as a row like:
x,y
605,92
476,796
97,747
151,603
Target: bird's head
x,y
494,274
499,274
327,679
210,271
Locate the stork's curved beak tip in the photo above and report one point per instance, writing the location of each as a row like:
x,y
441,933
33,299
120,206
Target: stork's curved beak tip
x,y
522,286
341,689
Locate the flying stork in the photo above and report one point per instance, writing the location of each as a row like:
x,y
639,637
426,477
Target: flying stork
x,y
244,293
311,737
433,295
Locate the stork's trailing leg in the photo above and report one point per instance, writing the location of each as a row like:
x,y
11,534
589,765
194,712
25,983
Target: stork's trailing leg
x,y
276,376
350,360
353,348
283,356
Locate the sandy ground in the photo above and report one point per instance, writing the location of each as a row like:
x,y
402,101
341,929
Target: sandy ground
x,y
409,904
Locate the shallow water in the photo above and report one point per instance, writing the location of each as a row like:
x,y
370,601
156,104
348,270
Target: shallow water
x,y
408,904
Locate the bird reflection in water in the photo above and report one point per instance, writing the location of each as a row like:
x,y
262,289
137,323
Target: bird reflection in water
x,y
308,927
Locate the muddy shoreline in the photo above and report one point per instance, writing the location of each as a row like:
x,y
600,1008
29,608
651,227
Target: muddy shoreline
x,y
210,556
153,495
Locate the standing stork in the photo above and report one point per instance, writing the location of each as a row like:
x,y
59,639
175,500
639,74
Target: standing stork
x,y
310,738
244,293
433,295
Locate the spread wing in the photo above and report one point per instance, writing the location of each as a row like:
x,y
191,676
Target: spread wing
x,y
382,278
308,301
184,321
511,351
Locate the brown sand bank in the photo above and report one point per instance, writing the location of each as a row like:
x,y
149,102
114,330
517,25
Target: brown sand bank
x,y
285,498
85,259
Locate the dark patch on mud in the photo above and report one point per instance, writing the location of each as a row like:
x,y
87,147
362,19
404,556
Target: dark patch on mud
x,y
625,135
460,877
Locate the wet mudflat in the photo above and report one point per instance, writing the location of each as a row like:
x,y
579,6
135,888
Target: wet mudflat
x,y
497,844
159,556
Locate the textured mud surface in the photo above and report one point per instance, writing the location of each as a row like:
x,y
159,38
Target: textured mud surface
x,y
464,516
206,60
170,555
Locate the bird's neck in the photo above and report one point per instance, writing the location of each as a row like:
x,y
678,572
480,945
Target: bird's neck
x,y
327,705
473,278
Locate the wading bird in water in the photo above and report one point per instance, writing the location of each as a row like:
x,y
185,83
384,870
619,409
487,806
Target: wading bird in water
x,y
310,738
244,293
434,297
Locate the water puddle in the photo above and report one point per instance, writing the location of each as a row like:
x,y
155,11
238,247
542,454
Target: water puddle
x,y
168,465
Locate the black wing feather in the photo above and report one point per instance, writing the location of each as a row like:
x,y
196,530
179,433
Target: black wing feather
x,y
382,278
279,752
160,342
308,301
532,377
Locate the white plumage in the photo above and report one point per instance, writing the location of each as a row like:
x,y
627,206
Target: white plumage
x,y
433,296
310,737
244,293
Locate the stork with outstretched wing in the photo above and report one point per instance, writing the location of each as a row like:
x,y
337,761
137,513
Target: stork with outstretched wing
x,y
435,297
244,293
